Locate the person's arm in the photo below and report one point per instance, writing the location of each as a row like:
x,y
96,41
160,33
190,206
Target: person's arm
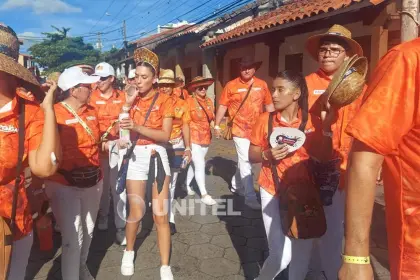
x,y
186,135
41,160
363,168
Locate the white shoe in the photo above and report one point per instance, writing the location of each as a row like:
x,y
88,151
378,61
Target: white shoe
x,y
103,223
208,200
84,273
127,263
120,237
190,192
166,273
253,203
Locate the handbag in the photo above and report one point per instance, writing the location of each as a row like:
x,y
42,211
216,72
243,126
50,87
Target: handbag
x,y
176,157
228,131
83,177
122,172
8,227
301,211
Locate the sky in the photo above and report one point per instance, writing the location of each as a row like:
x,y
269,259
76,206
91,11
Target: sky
x,y
29,18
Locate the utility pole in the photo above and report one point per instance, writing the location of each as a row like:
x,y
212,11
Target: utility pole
x,y
99,42
409,20
125,35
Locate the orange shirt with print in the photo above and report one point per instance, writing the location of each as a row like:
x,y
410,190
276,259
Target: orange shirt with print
x,y
232,96
317,84
161,109
200,126
293,167
181,116
181,93
108,110
9,147
389,123
80,149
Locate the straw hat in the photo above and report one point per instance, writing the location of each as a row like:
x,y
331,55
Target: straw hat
x,y
167,77
146,55
337,31
249,61
53,76
348,82
9,54
199,82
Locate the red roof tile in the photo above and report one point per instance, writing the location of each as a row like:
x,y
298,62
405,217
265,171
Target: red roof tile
x,y
294,11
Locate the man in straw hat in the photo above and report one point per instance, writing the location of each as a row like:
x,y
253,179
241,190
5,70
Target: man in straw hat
x,y
41,151
180,90
180,135
386,132
331,50
233,94
108,102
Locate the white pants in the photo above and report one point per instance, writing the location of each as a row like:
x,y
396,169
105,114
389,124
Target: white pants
x,y
174,177
243,176
119,201
20,256
297,252
75,210
198,168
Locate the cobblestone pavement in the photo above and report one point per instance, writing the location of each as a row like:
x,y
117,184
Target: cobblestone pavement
x,y
209,245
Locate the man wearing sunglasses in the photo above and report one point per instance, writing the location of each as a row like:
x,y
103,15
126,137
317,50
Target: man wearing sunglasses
x,y
108,102
258,99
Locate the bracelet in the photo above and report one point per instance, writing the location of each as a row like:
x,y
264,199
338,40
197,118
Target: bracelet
x,y
217,127
327,134
187,149
356,260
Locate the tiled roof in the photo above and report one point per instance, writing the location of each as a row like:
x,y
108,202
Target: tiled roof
x,y
294,11
152,39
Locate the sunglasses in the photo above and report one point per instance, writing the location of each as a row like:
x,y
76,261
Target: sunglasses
x,y
103,79
202,88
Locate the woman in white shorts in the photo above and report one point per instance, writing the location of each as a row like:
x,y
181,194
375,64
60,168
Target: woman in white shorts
x,y
150,123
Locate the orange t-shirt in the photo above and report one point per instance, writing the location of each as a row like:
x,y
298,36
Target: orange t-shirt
x,y
79,148
9,147
294,167
389,123
317,84
108,110
161,109
232,96
181,92
181,116
200,126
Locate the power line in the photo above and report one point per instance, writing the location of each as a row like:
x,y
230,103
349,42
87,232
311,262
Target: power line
x,y
113,1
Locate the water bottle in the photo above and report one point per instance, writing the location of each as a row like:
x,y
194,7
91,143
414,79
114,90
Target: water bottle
x,y
184,162
124,133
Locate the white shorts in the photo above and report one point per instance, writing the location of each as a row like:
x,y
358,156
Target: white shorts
x,y
138,167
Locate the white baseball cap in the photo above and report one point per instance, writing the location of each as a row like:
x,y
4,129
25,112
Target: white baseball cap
x,y
74,76
104,70
132,74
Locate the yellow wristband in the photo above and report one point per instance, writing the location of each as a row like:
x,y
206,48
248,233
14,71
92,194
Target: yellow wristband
x,y
356,260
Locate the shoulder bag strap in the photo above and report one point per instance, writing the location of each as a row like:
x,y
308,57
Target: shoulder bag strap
x,y
243,102
131,149
272,165
205,112
21,132
108,130
79,119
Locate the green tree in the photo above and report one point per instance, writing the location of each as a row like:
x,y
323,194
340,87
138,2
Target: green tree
x,y
58,51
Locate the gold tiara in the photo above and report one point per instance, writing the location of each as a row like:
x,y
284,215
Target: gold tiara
x,y
146,55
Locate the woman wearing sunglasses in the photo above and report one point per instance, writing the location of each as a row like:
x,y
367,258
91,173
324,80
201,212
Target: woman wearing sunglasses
x,y
75,190
202,114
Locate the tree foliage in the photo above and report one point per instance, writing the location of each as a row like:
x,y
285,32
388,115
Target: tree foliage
x,y
58,51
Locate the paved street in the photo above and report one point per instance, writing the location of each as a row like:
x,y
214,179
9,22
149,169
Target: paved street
x,y
209,245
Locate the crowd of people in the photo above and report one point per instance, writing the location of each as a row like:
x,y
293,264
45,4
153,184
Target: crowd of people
x,y
93,144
